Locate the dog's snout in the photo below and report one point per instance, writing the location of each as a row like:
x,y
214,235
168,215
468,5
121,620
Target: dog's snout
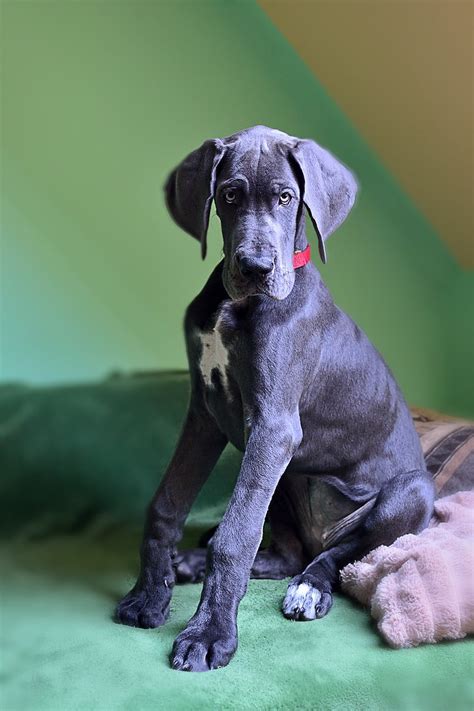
x,y
254,265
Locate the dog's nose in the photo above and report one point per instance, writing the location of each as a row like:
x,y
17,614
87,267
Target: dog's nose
x,y
254,266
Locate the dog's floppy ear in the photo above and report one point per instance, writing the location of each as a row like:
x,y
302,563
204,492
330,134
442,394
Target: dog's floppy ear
x,y
189,190
329,189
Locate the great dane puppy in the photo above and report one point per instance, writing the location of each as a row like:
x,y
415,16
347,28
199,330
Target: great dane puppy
x,y
287,377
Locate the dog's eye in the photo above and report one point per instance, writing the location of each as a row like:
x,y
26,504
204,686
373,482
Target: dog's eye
x,y
230,195
285,198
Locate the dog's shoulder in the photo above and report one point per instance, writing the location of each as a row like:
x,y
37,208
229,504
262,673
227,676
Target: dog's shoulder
x,y
203,310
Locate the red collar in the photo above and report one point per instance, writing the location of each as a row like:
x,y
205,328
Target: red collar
x,y
301,258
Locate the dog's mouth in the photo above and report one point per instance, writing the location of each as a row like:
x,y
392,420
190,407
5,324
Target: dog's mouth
x,y
276,285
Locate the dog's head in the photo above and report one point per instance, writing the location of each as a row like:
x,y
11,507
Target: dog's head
x,y
261,181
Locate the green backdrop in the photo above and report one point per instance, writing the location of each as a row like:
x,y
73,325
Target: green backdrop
x,y
100,101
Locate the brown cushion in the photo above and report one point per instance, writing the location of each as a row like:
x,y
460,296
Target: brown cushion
x,y
448,446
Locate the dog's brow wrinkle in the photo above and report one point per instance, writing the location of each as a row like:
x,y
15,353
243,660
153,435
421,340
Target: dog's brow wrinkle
x,y
264,147
238,179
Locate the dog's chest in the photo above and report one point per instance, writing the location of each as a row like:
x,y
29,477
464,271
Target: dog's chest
x,y
218,362
214,359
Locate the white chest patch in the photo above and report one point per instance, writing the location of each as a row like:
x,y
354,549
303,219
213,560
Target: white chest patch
x,y
214,355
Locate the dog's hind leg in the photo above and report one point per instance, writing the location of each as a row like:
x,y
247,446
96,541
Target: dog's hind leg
x,y
403,505
273,563
283,557
285,553
269,564
190,565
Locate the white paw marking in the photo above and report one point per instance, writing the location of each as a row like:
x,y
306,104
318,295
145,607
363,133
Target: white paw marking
x,y
302,597
214,355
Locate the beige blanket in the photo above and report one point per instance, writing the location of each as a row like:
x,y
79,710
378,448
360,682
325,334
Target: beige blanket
x,y
421,588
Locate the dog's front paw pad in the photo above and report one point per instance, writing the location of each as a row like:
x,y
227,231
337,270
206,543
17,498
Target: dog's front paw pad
x,y
303,602
138,609
202,652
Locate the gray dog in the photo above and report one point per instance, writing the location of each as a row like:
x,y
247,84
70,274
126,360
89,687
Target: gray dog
x,y
278,370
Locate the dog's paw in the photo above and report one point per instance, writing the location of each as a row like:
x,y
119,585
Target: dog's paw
x,y
143,609
203,649
305,601
190,565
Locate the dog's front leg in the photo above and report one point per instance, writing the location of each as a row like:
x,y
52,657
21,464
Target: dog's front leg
x,y
199,447
210,638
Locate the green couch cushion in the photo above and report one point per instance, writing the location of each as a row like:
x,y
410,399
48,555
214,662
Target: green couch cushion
x,y
78,465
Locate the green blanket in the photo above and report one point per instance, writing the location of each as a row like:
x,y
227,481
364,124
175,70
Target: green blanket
x,y
78,465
